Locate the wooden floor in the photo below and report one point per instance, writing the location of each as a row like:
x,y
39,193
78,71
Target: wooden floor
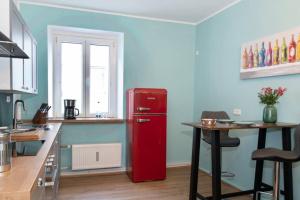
x,y
119,187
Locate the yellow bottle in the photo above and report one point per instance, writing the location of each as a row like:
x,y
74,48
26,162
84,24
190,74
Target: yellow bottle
x,y
276,53
298,49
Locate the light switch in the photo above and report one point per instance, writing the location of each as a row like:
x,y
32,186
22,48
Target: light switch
x,y
237,111
7,99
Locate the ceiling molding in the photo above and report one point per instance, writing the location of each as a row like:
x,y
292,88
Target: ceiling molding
x,y
102,12
218,12
18,2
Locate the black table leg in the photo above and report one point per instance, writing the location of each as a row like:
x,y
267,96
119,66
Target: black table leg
x,y
259,164
216,165
287,167
195,164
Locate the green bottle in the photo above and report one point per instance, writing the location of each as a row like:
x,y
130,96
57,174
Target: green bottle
x,y
284,53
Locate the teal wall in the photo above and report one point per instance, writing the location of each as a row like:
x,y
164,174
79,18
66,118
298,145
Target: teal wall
x,y
156,54
218,86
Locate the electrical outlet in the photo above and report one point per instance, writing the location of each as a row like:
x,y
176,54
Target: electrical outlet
x,y
8,99
237,111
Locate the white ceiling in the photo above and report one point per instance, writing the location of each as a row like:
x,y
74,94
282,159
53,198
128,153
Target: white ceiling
x,y
190,11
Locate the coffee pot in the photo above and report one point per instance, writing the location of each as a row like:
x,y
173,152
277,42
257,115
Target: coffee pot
x,y
70,111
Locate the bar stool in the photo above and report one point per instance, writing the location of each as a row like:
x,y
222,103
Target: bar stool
x,y
225,140
278,156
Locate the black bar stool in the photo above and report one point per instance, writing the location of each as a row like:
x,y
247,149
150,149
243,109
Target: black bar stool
x,y
278,156
225,140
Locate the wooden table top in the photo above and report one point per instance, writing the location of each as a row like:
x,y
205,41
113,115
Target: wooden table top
x,y
17,183
256,125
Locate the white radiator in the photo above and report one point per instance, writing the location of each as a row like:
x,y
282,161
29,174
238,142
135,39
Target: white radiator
x,y
96,156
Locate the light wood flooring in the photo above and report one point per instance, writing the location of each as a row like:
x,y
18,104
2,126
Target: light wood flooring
x,y
119,187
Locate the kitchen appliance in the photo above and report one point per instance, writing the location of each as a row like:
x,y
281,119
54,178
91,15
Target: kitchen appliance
x,y
146,134
5,151
70,110
10,49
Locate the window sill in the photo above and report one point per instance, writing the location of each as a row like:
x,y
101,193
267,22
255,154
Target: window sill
x,y
82,120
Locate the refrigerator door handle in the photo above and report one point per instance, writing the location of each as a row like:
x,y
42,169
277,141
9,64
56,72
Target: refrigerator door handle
x,y
143,120
143,108
151,98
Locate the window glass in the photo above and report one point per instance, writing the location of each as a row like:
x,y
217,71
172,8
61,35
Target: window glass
x,y
71,74
99,71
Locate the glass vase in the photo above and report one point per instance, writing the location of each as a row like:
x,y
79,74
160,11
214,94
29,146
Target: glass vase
x,y
270,114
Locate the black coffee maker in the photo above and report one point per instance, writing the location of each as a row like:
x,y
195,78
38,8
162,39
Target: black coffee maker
x,y
70,110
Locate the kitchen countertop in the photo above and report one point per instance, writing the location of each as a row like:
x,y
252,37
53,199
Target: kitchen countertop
x,y
86,120
17,183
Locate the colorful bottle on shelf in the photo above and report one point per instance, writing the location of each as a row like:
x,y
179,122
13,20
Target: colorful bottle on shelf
x,y
292,50
276,54
262,55
298,49
284,53
256,56
269,55
250,58
245,59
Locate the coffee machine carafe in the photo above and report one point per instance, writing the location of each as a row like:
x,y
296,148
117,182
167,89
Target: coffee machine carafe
x,y
70,110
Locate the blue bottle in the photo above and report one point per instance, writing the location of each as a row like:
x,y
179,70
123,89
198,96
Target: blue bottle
x,y
262,55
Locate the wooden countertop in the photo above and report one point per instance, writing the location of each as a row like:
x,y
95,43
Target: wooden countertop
x,y
86,120
82,120
17,183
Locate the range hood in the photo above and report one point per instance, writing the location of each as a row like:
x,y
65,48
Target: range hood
x,y
10,49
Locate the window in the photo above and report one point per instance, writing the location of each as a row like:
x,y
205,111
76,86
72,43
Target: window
x,y
86,66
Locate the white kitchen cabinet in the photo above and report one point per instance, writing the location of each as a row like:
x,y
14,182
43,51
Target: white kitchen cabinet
x,y
17,75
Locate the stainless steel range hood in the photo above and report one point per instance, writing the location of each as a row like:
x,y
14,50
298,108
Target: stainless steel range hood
x,y
10,49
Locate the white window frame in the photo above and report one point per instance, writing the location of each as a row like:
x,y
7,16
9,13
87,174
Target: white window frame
x,y
86,37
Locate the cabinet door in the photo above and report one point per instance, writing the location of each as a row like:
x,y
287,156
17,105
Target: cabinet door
x,y
34,69
38,190
28,62
17,64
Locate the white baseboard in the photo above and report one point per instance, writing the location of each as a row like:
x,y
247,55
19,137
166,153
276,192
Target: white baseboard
x,y
93,172
114,170
178,164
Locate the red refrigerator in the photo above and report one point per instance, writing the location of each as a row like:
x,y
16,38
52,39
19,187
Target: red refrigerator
x,y
146,134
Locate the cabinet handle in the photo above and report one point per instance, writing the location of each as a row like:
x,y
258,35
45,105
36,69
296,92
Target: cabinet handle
x,y
40,182
51,156
49,164
143,120
143,109
50,160
49,184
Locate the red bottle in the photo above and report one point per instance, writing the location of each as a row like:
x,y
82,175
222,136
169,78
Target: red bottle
x,y
292,50
269,55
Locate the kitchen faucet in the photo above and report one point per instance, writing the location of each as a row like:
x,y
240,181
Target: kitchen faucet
x,y
15,120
